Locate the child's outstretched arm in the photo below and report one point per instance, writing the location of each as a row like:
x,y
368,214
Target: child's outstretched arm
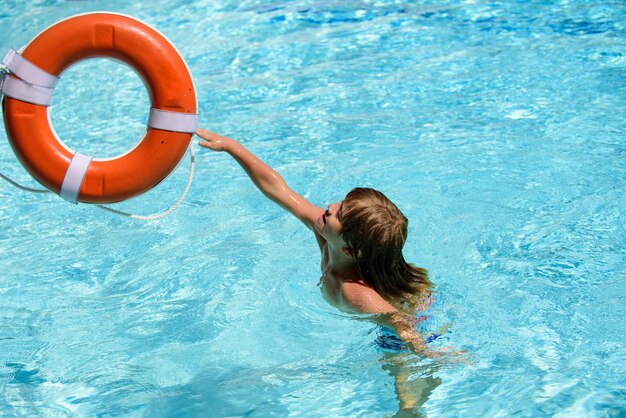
x,y
264,177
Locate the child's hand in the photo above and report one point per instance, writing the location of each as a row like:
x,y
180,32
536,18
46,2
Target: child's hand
x,y
448,355
214,141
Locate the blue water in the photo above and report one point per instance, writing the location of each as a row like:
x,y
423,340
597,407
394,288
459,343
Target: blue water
x,y
497,127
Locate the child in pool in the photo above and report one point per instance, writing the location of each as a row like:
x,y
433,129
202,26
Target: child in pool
x,y
361,240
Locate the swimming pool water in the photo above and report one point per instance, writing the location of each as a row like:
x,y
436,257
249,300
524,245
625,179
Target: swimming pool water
x,y
497,127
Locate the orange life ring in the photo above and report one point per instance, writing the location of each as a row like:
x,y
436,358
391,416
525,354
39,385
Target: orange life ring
x,y
169,85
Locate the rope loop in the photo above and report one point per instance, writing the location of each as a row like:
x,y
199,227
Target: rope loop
x,y
4,72
172,208
27,189
152,217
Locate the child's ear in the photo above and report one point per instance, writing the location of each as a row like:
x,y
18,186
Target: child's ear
x,y
346,250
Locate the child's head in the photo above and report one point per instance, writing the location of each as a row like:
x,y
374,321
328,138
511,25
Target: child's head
x,y
375,231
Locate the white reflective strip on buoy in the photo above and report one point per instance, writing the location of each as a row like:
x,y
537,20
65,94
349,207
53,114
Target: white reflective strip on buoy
x,y
74,177
167,120
28,71
26,92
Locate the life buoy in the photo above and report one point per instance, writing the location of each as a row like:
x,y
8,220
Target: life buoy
x,y
171,92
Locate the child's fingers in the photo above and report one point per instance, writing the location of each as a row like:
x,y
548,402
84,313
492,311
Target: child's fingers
x,y
211,140
203,133
205,144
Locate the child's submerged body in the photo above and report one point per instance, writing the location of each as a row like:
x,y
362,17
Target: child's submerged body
x,y
360,240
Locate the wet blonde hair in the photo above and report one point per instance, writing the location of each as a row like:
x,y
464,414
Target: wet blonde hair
x,y
375,231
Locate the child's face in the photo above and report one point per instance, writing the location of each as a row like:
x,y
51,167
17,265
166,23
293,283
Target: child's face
x,y
329,225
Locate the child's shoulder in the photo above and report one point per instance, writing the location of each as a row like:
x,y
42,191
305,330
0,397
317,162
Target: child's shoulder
x,y
364,299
